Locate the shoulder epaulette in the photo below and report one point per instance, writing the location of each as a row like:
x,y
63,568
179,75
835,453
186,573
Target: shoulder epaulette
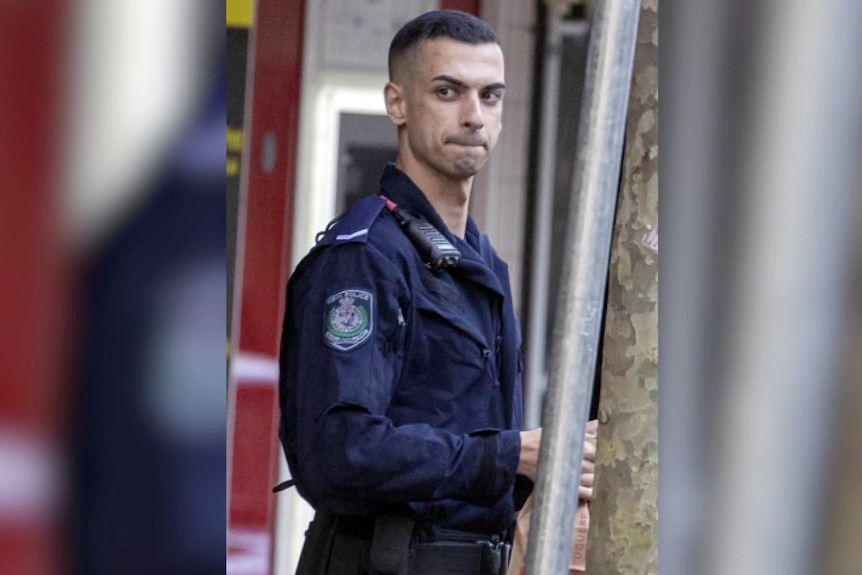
x,y
353,226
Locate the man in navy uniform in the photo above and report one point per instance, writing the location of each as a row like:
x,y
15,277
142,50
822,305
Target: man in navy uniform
x,y
400,387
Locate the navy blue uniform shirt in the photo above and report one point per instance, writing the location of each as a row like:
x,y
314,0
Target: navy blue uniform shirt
x,y
398,385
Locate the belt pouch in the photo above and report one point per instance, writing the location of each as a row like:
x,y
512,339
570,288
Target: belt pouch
x,y
390,546
314,558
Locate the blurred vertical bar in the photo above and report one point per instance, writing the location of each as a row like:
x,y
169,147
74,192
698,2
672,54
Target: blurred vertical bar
x,y
576,331
32,36
696,83
539,279
470,6
842,531
623,535
794,125
267,191
239,19
239,16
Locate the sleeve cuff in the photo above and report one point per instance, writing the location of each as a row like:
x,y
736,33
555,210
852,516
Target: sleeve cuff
x,y
499,465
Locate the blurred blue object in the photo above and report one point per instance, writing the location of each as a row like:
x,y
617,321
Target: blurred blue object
x,y
150,436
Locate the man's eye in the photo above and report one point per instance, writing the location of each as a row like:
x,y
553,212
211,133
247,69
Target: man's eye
x,y
445,92
492,97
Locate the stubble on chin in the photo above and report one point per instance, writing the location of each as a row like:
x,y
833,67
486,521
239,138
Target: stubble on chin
x,y
466,165
467,168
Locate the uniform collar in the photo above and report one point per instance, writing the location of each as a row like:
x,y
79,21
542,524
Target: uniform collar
x,y
476,260
398,187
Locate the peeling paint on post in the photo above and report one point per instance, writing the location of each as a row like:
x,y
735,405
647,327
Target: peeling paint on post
x,y
623,535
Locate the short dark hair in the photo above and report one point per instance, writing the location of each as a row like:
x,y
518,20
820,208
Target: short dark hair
x,y
452,24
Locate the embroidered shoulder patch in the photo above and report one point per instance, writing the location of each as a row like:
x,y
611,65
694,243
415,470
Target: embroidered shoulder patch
x,y
349,319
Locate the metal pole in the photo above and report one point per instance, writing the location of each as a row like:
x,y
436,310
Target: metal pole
x,y
536,377
540,276
576,331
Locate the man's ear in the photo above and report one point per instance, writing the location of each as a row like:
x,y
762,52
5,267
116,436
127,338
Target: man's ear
x,y
396,107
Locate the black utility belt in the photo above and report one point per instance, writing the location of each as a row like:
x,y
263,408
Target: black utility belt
x,y
405,550
457,558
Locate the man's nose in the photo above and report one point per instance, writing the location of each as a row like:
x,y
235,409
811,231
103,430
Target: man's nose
x,y
471,112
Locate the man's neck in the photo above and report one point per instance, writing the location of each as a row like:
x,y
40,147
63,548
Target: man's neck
x,y
450,198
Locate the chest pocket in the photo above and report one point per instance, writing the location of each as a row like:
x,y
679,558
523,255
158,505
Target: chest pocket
x,y
450,367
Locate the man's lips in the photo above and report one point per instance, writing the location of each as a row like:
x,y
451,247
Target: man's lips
x,y
467,141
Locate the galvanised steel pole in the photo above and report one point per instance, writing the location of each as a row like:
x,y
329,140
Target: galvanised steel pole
x,y
610,56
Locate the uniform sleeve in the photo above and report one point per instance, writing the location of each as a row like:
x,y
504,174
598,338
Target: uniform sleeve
x,y
341,358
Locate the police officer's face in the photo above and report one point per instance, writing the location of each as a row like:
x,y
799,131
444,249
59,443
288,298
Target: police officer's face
x,y
451,103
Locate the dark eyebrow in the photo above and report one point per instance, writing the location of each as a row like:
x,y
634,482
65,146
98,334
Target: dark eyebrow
x,y
461,84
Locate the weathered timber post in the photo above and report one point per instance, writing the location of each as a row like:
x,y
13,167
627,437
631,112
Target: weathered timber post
x,y
623,536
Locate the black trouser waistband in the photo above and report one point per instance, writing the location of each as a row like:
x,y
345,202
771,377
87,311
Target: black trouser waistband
x,y
343,542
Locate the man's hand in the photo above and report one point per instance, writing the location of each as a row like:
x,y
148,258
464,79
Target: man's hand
x,y
529,459
588,464
528,463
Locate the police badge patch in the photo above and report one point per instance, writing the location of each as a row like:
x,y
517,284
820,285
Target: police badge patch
x,y
349,319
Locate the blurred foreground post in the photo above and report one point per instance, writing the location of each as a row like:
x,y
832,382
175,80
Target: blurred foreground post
x,y
33,406
843,512
576,331
624,516
779,360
